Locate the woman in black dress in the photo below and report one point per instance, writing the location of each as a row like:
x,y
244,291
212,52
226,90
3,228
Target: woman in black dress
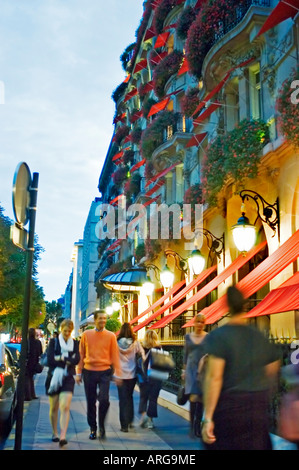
x,y
63,356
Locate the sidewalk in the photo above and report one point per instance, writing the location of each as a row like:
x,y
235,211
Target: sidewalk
x,y
171,432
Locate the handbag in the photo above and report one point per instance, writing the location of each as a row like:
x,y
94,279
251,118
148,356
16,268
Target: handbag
x,y
182,396
140,372
44,357
161,360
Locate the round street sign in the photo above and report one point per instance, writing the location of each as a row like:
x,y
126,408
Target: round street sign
x,y
20,193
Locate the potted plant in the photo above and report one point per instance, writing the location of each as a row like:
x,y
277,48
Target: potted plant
x,y
184,22
168,66
152,136
288,120
189,102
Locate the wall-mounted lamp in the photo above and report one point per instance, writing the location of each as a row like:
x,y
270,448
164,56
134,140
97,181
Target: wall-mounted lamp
x,y
244,233
195,261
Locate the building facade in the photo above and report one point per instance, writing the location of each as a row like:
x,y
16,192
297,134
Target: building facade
x,y
208,112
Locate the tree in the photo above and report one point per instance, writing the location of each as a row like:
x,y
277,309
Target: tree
x,y
12,281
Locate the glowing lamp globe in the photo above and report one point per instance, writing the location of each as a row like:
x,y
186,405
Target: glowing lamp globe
x,y
196,262
244,234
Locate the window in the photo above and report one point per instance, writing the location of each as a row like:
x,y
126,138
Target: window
x,y
179,183
255,91
232,112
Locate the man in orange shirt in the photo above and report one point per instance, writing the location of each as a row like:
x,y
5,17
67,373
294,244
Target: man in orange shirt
x,y
98,353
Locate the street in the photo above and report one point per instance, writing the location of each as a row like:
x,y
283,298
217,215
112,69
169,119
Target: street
x,y
170,432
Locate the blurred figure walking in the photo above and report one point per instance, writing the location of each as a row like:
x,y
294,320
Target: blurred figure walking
x,y
150,388
130,349
194,351
99,358
63,355
241,365
34,352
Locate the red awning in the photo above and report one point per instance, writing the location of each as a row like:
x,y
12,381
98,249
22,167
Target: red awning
x,y
118,155
261,275
137,165
180,295
127,139
149,34
127,78
171,291
130,94
116,199
227,272
211,94
156,59
196,140
114,245
162,40
155,188
161,174
121,118
285,298
184,67
158,107
207,113
140,65
148,87
136,116
219,86
284,10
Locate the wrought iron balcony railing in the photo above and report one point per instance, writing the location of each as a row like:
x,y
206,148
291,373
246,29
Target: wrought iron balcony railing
x,y
235,18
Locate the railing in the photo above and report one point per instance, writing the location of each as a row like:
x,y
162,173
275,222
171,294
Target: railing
x,y
235,17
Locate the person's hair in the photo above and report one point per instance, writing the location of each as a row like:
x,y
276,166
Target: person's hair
x,y
67,323
235,300
31,333
126,331
98,313
151,339
201,316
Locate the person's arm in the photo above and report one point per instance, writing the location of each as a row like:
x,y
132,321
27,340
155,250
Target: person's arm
x,y
82,352
115,361
212,389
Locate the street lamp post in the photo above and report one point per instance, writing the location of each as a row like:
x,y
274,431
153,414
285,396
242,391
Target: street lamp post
x,y
26,307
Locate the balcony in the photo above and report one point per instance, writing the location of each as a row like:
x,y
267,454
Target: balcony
x,y
236,17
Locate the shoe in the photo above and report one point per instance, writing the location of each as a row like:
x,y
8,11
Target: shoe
x,y
143,421
35,398
55,438
150,424
92,435
102,433
124,429
62,442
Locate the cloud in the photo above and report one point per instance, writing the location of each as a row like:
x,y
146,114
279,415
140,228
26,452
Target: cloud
x,y
59,62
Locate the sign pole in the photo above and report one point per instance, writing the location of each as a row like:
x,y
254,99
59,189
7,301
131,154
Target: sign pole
x,y
26,309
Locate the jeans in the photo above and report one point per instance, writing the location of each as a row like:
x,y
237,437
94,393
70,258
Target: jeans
x,y
92,379
149,393
126,404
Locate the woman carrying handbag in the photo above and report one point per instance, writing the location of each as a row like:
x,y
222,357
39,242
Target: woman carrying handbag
x,y
63,356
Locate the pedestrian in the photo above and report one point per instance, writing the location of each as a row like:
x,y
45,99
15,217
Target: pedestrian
x,y
34,353
99,355
242,365
194,351
150,388
130,349
63,356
